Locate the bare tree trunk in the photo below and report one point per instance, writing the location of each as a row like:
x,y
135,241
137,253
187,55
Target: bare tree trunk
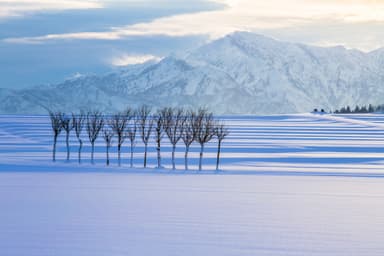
x,y
95,123
107,156
54,149
131,156
186,157
218,155
201,157
93,150
119,154
57,126
80,147
145,156
173,157
67,143
158,155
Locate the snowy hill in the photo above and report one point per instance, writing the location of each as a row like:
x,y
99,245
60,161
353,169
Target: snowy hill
x,y
239,74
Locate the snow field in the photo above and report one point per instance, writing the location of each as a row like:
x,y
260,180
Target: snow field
x,y
292,185
287,143
116,214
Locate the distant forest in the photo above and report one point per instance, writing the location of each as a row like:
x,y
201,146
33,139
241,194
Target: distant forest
x,y
358,110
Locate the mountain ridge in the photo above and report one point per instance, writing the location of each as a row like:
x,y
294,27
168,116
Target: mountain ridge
x,y
241,73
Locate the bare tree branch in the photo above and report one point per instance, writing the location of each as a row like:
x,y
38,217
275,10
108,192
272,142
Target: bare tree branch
x,y
131,132
57,127
189,134
221,131
160,128
78,124
95,122
205,131
67,125
175,119
108,134
146,124
118,124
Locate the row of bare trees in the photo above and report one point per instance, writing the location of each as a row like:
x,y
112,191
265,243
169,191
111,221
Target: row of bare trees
x,y
175,124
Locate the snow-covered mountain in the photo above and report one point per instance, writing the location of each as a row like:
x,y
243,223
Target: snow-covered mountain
x,y
242,73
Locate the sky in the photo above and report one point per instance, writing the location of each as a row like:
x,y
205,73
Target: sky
x,y
45,41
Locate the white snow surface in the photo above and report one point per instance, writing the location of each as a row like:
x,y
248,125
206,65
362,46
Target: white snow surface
x,y
289,185
114,214
302,143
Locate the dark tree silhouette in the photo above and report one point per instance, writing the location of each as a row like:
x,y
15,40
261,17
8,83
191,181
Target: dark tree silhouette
x,y
131,134
358,109
78,124
118,123
176,123
95,122
174,119
108,135
371,108
348,110
189,134
220,132
145,124
57,127
160,127
205,131
67,125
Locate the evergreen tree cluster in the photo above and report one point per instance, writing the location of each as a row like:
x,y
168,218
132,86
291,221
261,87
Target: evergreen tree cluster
x,y
359,110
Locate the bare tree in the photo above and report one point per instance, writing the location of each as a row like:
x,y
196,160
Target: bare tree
x,y
146,123
205,131
108,135
57,127
131,134
175,119
78,124
118,124
95,122
160,128
189,134
220,132
67,125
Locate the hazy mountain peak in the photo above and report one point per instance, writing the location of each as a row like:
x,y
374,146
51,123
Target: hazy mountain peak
x,y
249,36
240,73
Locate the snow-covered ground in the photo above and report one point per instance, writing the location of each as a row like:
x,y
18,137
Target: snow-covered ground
x,y
100,214
290,185
292,144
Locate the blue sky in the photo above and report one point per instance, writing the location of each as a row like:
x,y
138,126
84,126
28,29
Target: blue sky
x,y
45,41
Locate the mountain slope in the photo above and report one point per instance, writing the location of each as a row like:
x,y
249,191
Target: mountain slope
x,y
242,73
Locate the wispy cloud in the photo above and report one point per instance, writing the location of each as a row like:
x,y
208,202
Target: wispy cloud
x,y
129,59
17,8
248,15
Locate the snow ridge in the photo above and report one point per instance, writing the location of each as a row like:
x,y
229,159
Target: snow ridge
x,y
241,73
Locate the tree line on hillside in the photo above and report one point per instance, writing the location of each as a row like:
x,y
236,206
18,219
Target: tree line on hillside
x,y
360,110
176,124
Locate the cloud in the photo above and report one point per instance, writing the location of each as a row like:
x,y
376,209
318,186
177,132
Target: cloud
x,y
129,59
75,75
246,15
17,8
